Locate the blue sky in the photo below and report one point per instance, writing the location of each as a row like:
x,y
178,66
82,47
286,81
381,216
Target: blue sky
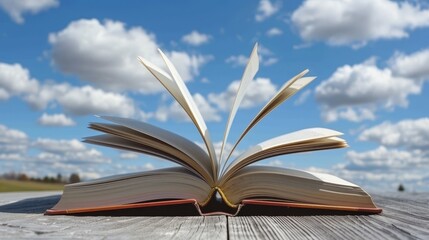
x,y
62,62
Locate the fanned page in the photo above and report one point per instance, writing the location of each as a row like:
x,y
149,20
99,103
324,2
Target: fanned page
x,y
250,71
112,141
160,139
180,92
286,91
300,141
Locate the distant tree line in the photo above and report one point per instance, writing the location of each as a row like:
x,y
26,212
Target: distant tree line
x,y
73,178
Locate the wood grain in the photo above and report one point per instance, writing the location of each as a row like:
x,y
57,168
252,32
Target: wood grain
x,y
405,216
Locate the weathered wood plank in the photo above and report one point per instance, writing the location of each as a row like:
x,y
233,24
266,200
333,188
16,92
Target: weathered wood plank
x,y
25,219
405,216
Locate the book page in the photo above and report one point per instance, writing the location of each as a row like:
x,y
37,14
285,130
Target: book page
x,y
112,141
147,132
180,92
286,91
304,140
291,185
155,185
250,72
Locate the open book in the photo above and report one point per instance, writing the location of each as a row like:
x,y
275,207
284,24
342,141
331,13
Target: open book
x,y
202,175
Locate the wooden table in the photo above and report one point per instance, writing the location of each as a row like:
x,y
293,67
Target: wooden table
x,y
405,216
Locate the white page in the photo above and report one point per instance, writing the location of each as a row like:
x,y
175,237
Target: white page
x,y
193,112
286,91
286,139
123,144
184,145
166,81
250,72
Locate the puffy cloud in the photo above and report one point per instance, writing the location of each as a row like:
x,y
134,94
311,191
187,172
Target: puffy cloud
x,y
66,156
237,60
355,22
196,38
272,32
259,91
412,66
414,179
104,53
16,9
266,9
175,111
88,100
59,146
409,133
15,80
384,158
129,155
401,157
356,92
55,120
66,151
82,100
12,142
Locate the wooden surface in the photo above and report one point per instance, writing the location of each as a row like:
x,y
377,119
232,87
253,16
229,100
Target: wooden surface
x,y
405,216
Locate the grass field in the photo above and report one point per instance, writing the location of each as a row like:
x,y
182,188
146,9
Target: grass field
x,y
19,186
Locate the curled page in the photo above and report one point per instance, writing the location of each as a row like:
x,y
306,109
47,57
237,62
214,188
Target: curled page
x,y
310,139
250,71
286,91
112,141
180,92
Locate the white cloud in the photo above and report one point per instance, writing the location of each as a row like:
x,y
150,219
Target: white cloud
x,y
205,80
409,133
15,146
272,32
383,158
129,155
196,38
413,66
56,120
12,142
388,180
355,22
82,100
88,100
104,53
15,80
47,157
356,92
16,9
266,9
237,60
303,97
401,157
274,163
270,61
175,111
68,151
259,91
59,146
